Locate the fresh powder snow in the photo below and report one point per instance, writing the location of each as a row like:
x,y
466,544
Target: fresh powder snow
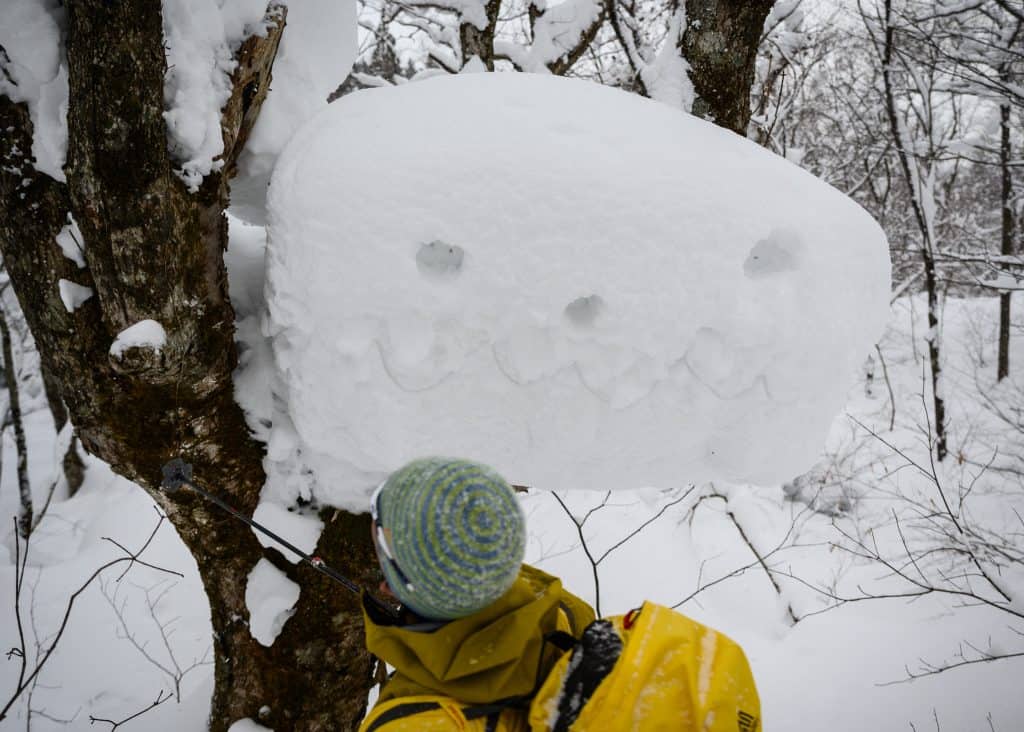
x,y
200,41
35,71
316,53
144,334
581,287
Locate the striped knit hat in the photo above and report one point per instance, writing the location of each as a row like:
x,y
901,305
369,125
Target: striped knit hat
x,y
456,533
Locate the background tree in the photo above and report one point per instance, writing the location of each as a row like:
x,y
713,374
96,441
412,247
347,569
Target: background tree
x,y
698,55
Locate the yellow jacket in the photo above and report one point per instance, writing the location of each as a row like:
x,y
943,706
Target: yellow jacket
x,y
651,670
495,654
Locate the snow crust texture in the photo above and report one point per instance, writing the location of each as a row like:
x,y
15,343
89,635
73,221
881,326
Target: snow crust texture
x,y
578,286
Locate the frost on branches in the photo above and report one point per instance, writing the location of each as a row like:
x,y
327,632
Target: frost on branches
x,y
579,286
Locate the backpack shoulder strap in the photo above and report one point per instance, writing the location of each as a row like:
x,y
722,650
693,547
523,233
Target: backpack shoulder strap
x,y
401,710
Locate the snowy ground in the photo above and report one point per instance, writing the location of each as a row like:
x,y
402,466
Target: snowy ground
x,y
828,671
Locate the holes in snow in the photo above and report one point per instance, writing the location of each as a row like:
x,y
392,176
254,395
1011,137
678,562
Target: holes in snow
x,y
779,252
583,311
438,259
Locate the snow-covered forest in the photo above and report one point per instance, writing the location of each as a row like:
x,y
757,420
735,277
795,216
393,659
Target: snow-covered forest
x,y
774,383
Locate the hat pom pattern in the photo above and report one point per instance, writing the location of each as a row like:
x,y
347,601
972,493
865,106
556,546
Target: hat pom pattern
x,y
456,531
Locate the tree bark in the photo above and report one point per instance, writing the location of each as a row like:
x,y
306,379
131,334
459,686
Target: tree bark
x,y
155,251
720,44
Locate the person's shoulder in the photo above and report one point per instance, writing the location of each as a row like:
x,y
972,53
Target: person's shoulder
x,y
579,613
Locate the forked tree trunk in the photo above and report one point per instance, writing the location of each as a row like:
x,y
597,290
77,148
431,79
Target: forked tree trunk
x,y
155,251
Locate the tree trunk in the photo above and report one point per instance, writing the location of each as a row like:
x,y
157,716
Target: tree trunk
x,y
913,178
720,44
11,380
1006,201
155,251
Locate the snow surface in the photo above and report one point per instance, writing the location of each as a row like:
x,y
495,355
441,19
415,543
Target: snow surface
x,y
73,295
632,297
837,660
270,597
144,334
316,54
37,74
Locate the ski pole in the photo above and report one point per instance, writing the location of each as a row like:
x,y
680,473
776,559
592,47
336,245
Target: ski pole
x,y
178,473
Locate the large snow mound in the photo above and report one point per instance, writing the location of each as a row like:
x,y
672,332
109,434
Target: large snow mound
x,y
581,287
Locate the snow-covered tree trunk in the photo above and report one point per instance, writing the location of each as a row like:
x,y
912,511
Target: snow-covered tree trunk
x,y
720,45
154,252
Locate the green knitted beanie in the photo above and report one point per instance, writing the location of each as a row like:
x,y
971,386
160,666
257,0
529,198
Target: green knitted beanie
x,y
455,531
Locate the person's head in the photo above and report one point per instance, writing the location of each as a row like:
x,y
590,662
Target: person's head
x,y
450,536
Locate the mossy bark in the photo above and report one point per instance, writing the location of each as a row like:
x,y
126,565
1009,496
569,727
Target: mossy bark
x,y
155,251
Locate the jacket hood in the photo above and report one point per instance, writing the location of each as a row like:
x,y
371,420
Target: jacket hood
x,y
493,654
